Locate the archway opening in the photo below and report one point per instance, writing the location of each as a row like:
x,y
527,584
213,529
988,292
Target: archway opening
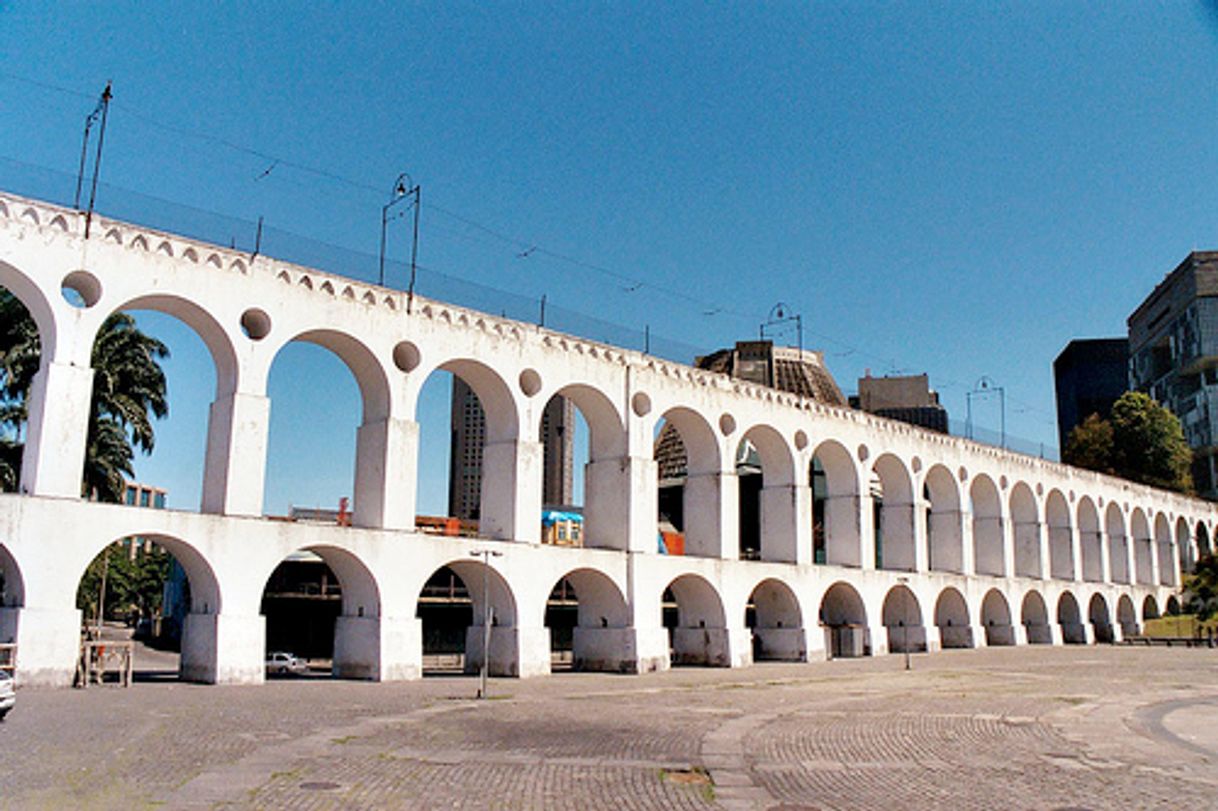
x,y
1203,541
1150,608
1184,543
1100,618
996,619
1025,521
1061,546
952,620
776,622
12,598
1127,616
697,630
944,531
1118,544
583,442
460,606
22,355
1143,548
158,598
1070,620
1166,552
692,487
844,618
1090,541
893,515
987,527
588,622
902,617
769,507
322,606
467,418
1034,616
1173,606
835,506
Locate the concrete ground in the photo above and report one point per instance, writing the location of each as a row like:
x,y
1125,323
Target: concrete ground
x,y
1016,728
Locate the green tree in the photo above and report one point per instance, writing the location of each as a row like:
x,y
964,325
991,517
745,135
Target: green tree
x,y
1090,445
1148,444
128,393
1201,588
1141,441
134,582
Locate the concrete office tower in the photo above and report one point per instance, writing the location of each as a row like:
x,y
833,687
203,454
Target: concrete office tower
x,y
469,436
1088,377
1173,349
907,398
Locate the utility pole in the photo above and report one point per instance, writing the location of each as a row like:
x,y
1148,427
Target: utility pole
x,y
101,110
488,615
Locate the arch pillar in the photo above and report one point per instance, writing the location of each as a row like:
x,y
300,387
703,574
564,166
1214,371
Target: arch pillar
x,y
48,643
968,545
1033,541
1076,554
712,515
223,648
234,469
1154,563
620,503
378,648
846,531
385,473
1105,556
511,493
515,651
54,455
946,555
786,523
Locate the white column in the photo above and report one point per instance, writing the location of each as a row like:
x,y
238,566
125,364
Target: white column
x,y
386,459
844,531
511,490
234,470
53,461
946,541
786,523
712,515
620,504
223,649
378,648
48,643
515,651
900,544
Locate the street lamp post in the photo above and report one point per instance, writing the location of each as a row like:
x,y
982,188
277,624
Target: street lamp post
x,y
487,615
904,581
985,386
403,188
781,315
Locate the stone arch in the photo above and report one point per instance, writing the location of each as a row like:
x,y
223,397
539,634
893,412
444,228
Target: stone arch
x,y
1173,606
1034,615
988,554
1127,616
1118,544
1100,618
844,617
705,484
31,296
602,618
1203,540
12,585
1025,521
952,619
1184,545
770,504
1143,548
902,616
602,474
944,533
893,514
835,505
1165,551
778,627
1090,541
485,586
996,619
1150,608
1061,542
1070,620
700,636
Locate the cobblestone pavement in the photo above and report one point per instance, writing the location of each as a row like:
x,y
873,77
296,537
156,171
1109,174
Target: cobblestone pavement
x,y
1027,728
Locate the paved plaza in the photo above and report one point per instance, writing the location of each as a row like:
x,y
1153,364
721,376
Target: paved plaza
x,y
1017,728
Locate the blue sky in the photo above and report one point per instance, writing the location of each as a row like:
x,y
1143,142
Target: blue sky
x,y
952,188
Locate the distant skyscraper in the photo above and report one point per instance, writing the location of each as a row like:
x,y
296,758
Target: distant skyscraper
x,y
1088,376
469,437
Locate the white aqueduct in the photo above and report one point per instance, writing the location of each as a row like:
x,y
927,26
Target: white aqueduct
x,y
981,546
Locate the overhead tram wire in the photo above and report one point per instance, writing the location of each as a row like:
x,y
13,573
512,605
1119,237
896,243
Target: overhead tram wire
x,y
533,246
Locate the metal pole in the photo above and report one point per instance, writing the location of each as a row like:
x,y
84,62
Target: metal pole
x,y
1002,405
414,250
486,627
542,321
380,279
101,596
101,138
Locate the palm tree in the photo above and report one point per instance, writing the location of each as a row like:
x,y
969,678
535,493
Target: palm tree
x,y
128,392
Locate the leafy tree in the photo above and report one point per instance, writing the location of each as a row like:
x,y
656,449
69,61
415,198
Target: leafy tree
x,y
1090,445
134,582
1141,441
128,392
1201,588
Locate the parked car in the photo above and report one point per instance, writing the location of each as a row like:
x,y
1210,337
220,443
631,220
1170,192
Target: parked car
x,y
283,662
7,696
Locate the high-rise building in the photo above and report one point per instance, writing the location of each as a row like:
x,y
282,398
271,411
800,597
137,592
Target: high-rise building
x,y
907,398
1173,350
469,436
1088,377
